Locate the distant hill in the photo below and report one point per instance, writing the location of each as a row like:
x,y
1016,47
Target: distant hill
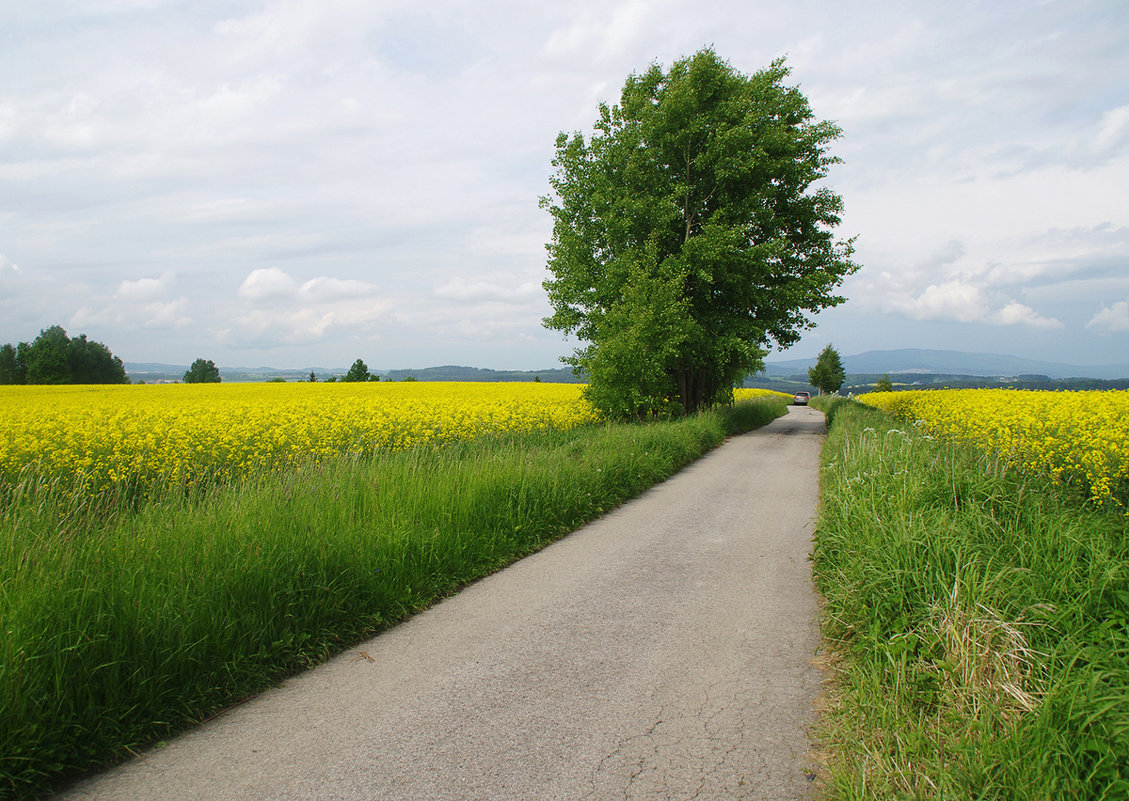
x,y
153,372
555,375
953,363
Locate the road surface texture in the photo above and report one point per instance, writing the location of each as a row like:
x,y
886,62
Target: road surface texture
x,y
662,652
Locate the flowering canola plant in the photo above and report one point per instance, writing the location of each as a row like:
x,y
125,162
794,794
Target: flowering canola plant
x,y
752,393
1072,436
139,438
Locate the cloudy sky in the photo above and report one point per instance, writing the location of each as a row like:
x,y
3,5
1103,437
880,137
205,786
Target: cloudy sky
x,y
296,183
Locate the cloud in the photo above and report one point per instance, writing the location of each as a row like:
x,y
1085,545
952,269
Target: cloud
x,y
170,314
273,285
604,35
268,284
952,300
284,310
150,315
1019,314
144,303
327,290
145,289
961,301
271,327
1112,319
463,291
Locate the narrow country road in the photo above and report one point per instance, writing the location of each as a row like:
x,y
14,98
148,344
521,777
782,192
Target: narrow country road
x,y
662,652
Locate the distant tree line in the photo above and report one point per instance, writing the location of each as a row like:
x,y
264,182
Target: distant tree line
x,y
55,358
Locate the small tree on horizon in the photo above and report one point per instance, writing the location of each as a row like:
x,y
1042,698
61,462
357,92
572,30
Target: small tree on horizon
x,y
358,372
883,384
202,371
827,375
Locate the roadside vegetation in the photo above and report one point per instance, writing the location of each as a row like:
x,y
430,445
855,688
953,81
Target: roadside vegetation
x,y
977,616
123,623
1077,438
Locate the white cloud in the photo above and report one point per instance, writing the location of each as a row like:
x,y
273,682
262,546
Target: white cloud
x,y
328,290
274,285
267,285
170,314
301,325
145,289
284,310
143,303
952,300
961,300
1018,314
1113,319
463,291
86,316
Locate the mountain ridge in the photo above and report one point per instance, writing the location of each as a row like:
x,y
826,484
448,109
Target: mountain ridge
x,y
921,360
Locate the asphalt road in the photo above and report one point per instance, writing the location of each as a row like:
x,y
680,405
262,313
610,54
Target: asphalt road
x,y
662,652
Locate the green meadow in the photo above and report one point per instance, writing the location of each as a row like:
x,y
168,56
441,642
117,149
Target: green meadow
x,y
976,623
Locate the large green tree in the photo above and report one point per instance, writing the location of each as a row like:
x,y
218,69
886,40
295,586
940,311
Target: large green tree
x,y
827,375
688,234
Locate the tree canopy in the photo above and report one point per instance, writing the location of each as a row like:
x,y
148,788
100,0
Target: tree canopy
x,y
828,374
687,234
202,371
55,358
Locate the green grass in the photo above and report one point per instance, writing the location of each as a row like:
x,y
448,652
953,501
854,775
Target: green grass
x,y
977,620
122,625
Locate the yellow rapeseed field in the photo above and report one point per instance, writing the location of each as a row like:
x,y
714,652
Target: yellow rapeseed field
x,y
91,439
139,438
744,394
1072,436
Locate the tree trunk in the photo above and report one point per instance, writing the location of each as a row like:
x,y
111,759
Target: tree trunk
x,y
691,388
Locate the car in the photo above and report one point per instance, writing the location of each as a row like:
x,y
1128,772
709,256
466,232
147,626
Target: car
x,y
801,399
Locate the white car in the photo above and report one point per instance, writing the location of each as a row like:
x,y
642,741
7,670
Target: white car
x,y
801,399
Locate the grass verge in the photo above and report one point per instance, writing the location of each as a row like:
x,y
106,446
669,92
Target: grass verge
x,y
121,628
978,622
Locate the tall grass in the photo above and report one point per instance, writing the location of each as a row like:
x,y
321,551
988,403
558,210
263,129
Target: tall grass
x,y
978,620
121,625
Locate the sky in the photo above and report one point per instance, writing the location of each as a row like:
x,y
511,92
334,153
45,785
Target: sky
x,y
290,183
